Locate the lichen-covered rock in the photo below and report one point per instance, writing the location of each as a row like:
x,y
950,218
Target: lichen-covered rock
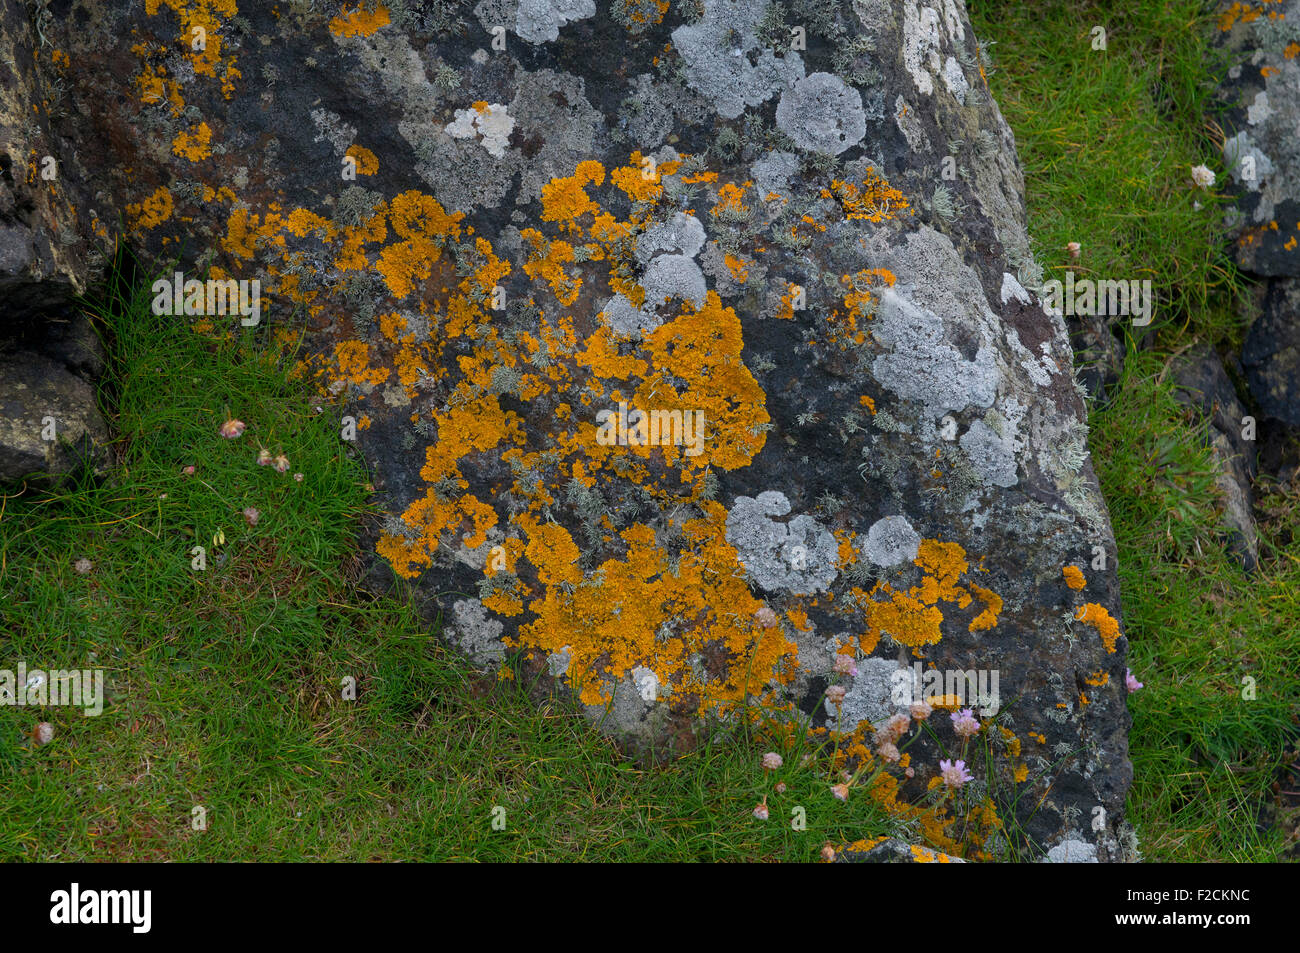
x,y
1261,152
677,356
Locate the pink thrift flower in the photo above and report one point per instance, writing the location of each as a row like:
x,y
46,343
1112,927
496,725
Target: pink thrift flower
x,y
888,750
187,471
844,665
1132,683
1073,248
298,477
772,761
281,463
760,811
780,787
1203,176
841,791
835,694
954,773
264,457
921,711
964,723
828,854
251,515
232,428
910,772
765,617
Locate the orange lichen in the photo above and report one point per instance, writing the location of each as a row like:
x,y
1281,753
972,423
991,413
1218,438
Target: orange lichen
x,y
150,212
367,163
1074,577
1106,626
564,200
363,20
875,200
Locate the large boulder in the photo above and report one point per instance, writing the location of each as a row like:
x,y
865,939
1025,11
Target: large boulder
x,y
696,351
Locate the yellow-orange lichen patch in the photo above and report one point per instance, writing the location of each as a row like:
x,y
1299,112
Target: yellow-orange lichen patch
x,y
1074,577
150,212
874,200
565,199
1107,627
913,618
367,163
362,20
639,611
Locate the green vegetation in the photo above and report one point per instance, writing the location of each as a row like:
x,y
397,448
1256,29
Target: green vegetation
x,y
1107,140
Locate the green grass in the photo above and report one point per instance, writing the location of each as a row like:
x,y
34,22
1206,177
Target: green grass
x,y
225,684
1106,139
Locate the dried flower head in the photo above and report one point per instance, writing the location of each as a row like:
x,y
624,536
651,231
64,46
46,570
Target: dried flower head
x,y
841,791
264,457
232,428
965,723
828,854
251,515
83,566
1073,248
920,711
760,811
1203,176
281,463
835,694
44,733
772,761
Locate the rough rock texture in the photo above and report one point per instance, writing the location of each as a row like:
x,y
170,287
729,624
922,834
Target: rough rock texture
x,y
49,358
1205,385
681,367
1262,154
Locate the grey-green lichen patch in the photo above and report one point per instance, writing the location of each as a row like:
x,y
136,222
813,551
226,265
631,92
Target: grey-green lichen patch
x,y
477,633
539,21
992,454
1072,851
798,556
871,696
682,234
891,541
490,127
724,62
673,276
551,108
822,114
922,366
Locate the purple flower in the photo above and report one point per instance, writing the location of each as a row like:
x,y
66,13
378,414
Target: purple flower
x,y
964,723
1132,683
954,773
